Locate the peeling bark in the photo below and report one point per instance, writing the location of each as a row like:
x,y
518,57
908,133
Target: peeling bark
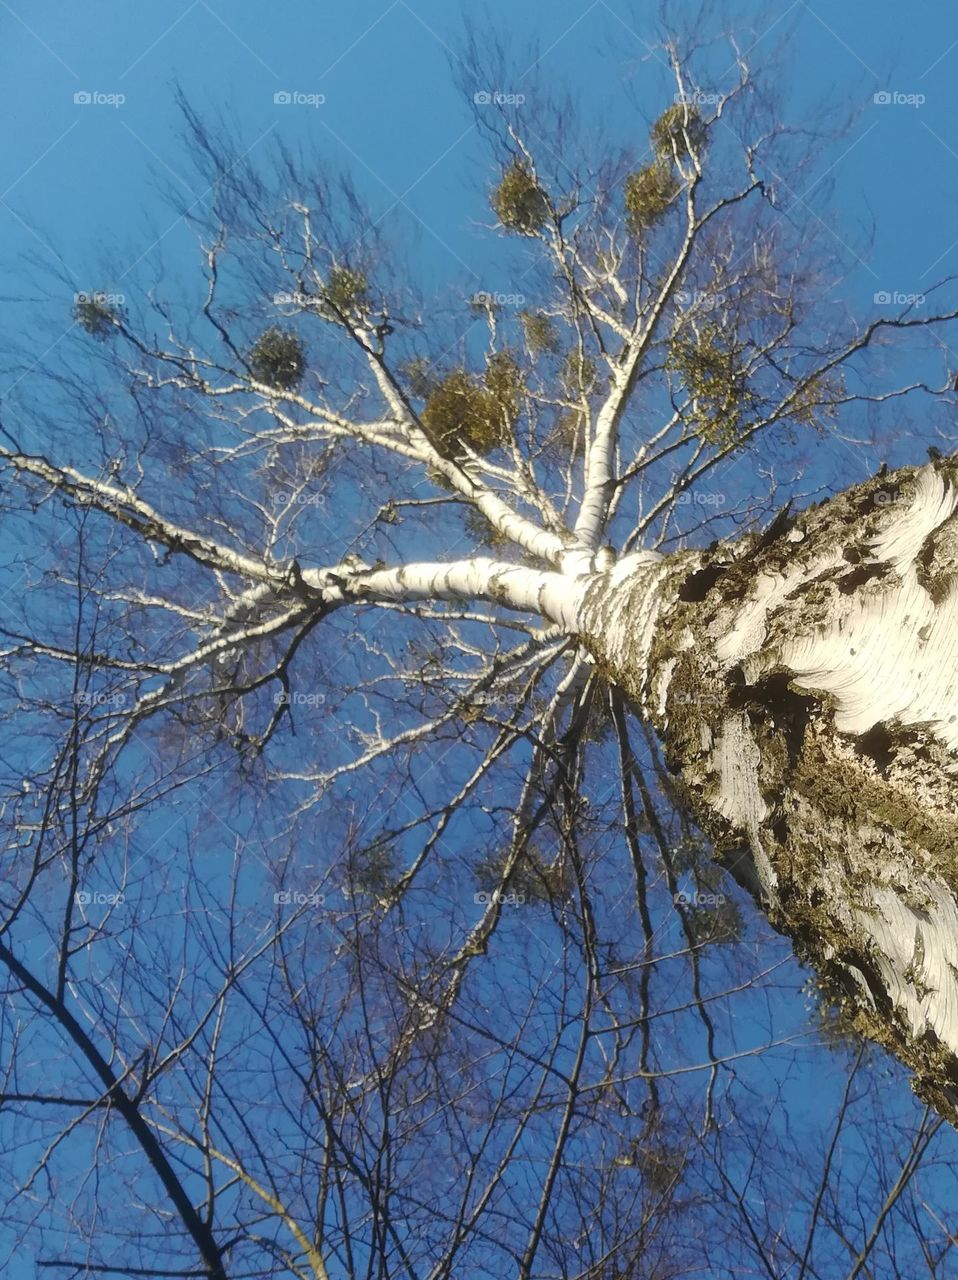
x,y
805,687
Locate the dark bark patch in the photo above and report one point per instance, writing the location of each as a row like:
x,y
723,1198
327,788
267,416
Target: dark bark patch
x,y
698,584
772,704
879,746
850,582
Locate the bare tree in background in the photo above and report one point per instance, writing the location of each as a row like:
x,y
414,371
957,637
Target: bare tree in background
x,y
391,687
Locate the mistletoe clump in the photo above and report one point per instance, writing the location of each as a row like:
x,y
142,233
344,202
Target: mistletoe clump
x,y
567,437
816,403
578,375
649,191
373,870
710,364
648,194
660,1164
346,293
277,359
94,314
677,130
519,202
462,411
540,333
503,381
533,878
419,377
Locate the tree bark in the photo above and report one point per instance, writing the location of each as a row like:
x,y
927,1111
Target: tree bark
x,y
805,687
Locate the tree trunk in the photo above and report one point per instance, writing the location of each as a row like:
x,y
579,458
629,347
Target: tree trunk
x,y
805,687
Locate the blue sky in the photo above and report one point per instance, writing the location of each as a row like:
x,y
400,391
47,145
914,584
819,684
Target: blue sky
x,y
82,176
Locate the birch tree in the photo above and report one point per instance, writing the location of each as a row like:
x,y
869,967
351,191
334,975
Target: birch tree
x,y
321,534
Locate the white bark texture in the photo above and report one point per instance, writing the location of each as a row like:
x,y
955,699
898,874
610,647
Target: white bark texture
x,y
805,685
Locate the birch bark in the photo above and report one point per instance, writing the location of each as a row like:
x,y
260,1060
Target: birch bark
x,y
805,687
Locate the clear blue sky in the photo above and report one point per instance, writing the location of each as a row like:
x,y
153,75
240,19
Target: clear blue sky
x,y
75,177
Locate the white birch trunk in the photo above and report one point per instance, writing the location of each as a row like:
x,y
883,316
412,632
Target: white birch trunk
x,y
806,689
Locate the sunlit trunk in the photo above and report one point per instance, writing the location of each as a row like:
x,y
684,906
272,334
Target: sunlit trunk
x,y
805,687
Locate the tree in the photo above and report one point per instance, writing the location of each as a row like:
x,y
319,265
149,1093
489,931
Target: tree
x,y
342,1049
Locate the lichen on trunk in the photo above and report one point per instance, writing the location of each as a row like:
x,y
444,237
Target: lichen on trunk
x,y
805,688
